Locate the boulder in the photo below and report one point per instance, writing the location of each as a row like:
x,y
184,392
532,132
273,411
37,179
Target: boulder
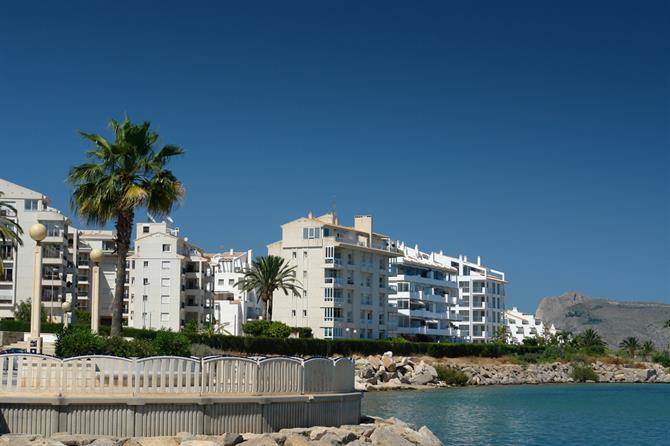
x,y
388,436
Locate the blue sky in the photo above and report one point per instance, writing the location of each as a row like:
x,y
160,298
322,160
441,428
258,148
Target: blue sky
x,y
534,134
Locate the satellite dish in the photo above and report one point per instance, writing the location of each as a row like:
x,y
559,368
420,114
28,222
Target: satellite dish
x,y
169,219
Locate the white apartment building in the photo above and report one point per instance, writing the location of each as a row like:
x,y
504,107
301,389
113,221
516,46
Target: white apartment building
x,y
521,326
232,307
481,300
425,291
170,280
80,244
16,282
343,271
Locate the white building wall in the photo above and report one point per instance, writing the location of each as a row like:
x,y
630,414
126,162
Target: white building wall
x,y
232,307
521,326
426,290
170,280
16,283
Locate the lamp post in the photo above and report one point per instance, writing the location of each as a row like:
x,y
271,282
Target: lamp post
x,y
96,257
37,232
66,310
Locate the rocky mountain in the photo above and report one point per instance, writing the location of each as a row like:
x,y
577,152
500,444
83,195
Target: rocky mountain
x,y
614,320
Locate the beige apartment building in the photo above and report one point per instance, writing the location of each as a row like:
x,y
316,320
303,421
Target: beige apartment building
x,y
16,282
170,280
344,274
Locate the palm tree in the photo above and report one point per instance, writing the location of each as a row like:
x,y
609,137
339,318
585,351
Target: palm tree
x,y
648,348
10,231
631,345
267,275
503,334
590,339
120,177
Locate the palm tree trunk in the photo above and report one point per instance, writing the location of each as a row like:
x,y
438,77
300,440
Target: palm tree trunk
x,y
269,305
124,227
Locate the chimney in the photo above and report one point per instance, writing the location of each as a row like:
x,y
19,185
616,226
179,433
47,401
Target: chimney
x,y
231,250
364,223
465,258
310,215
479,261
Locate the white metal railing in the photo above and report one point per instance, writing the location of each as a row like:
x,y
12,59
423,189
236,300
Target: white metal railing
x,y
27,373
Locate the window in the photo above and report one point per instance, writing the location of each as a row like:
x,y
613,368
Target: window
x,y
145,281
295,255
222,282
165,299
328,294
304,313
166,247
145,229
165,317
165,282
293,313
327,314
231,282
133,264
165,264
337,332
311,233
145,264
31,205
327,332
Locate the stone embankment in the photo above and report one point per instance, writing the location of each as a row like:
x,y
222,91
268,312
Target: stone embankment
x,y
387,372
372,432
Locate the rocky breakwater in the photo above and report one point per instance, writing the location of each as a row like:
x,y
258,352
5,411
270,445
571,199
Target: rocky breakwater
x,y
387,372
562,373
372,432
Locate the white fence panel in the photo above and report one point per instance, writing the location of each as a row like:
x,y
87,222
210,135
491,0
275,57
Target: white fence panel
x,y
318,375
344,375
280,375
164,374
229,375
101,374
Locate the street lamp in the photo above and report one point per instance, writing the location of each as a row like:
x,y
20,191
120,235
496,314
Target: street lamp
x,y
37,232
96,257
66,310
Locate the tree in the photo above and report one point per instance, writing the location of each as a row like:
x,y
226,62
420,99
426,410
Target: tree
x,y
503,334
22,311
590,339
120,177
631,345
666,324
10,230
265,276
647,348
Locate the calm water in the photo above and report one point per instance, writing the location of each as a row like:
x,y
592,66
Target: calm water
x,y
546,415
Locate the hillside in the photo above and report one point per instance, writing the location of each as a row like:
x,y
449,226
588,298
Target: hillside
x,y
614,320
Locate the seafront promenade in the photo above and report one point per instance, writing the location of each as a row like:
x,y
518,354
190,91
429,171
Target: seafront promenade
x,y
156,396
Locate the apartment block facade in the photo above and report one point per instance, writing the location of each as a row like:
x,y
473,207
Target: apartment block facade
x,y
80,244
344,272
481,300
16,281
232,306
521,326
425,289
171,282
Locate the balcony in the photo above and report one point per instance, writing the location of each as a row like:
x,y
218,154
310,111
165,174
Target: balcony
x,y
336,281
426,331
333,262
442,283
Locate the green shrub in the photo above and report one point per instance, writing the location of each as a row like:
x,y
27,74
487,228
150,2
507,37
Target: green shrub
x,y
269,329
662,358
451,375
24,326
78,341
168,343
302,332
583,373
